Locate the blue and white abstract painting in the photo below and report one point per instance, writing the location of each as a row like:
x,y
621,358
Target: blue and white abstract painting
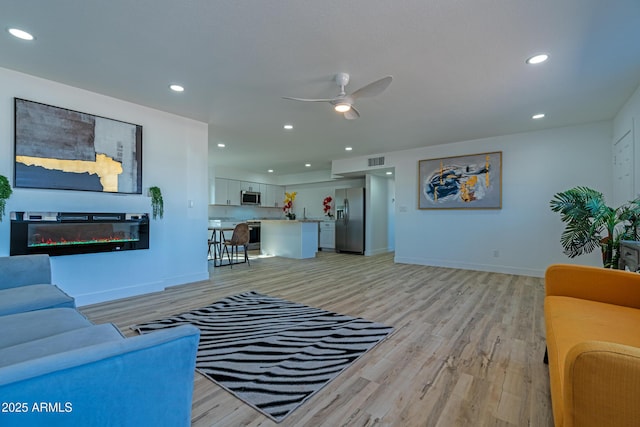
x,y
463,182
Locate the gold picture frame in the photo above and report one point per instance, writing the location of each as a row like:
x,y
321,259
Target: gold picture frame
x,y
472,181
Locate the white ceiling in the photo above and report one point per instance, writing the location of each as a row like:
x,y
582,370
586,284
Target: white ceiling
x,y
458,67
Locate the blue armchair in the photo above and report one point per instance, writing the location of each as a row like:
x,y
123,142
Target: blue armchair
x,y
145,380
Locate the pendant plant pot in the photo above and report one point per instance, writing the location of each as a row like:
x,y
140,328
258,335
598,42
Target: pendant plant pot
x,y
157,204
5,193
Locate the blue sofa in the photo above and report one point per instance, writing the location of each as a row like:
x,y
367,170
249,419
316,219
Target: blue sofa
x,y
58,369
25,285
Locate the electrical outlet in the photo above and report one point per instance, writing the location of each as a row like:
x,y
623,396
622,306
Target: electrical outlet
x,y
496,253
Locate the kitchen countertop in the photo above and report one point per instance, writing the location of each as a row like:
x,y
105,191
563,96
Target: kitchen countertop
x,y
217,222
293,220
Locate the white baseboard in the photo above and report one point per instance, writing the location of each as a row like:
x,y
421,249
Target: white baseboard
x,y
140,289
114,294
471,266
378,251
186,278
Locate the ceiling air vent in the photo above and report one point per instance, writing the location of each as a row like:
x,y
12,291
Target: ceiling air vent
x,y
376,161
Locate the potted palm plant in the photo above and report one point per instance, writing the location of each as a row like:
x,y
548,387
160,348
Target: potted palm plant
x,y
5,193
592,224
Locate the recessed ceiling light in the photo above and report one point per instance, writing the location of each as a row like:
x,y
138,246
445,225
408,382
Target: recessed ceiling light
x,y
389,173
538,116
221,145
288,127
270,171
348,148
176,88
307,165
23,35
537,59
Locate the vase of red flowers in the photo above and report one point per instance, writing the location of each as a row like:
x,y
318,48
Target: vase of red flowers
x,y
326,206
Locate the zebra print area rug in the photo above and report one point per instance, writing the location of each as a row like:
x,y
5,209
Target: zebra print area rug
x,y
272,353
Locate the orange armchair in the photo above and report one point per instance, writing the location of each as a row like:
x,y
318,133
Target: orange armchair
x,y
592,319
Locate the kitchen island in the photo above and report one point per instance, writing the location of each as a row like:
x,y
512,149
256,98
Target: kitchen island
x,y
289,238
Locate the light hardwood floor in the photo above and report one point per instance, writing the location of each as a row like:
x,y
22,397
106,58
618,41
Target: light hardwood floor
x,y
467,347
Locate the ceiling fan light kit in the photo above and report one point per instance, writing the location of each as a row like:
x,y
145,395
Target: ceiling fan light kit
x,y
343,103
537,59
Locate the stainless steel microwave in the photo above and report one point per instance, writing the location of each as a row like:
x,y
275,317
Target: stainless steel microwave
x,y
250,198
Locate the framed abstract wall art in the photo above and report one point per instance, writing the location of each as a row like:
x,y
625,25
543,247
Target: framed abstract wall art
x,y
462,182
56,148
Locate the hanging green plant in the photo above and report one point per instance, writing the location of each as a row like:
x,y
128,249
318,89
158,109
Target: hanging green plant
x,y
5,193
157,204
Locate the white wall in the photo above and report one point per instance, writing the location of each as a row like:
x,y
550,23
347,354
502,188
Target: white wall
x,y
174,155
377,201
312,177
391,214
310,196
238,174
524,234
218,171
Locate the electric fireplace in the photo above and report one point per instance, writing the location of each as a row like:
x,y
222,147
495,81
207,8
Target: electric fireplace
x,y
68,233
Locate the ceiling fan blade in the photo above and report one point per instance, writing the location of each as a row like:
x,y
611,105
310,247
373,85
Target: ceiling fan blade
x,y
372,89
308,100
352,114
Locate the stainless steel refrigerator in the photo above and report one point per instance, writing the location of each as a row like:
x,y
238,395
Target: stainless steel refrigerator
x,y
349,204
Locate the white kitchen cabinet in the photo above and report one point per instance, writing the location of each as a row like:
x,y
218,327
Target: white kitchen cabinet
x,y
221,192
266,198
233,190
262,188
278,192
272,195
227,192
327,235
249,186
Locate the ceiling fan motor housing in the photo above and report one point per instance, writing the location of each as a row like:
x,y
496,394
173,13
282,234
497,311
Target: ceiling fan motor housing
x,y
342,79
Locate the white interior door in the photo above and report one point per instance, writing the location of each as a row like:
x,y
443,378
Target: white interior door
x,y
623,170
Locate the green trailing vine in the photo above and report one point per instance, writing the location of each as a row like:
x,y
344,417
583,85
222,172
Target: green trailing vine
x,y
5,193
157,204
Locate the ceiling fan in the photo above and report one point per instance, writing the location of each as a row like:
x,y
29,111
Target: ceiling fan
x,y
343,103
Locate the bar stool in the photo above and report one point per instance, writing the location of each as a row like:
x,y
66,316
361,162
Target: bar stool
x,y
240,237
211,241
